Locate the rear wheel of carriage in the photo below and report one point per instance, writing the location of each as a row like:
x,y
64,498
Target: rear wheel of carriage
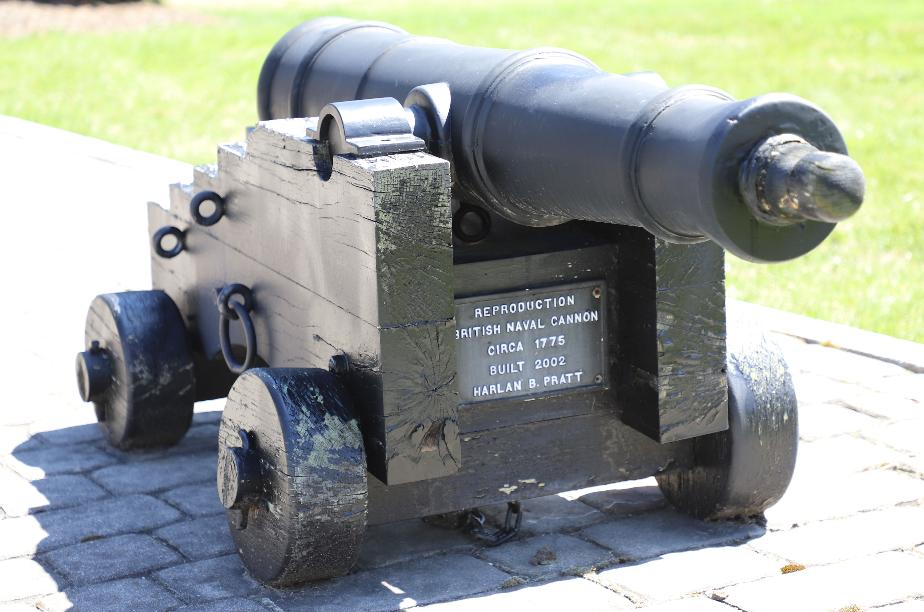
x,y
137,369
746,469
292,475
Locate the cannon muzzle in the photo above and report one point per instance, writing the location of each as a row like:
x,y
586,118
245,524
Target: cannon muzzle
x,y
544,136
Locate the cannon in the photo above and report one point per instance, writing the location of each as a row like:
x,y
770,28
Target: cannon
x,y
436,277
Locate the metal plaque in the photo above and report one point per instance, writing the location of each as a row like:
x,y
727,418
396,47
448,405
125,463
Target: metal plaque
x,y
531,342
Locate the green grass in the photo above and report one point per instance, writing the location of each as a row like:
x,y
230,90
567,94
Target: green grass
x,y
179,90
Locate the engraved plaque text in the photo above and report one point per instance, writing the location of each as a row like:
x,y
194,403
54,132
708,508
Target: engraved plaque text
x,y
531,342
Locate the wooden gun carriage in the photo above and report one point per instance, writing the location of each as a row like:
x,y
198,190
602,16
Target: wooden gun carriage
x,y
436,277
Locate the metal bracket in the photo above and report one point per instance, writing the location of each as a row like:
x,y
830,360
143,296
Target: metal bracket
x,y
380,126
365,128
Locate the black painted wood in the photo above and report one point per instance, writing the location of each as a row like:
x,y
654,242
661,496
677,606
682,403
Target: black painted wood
x,y
531,460
671,349
342,266
305,517
666,319
149,399
359,264
743,471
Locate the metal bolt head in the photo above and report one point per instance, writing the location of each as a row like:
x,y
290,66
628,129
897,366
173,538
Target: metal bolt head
x,y
339,364
237,518
238,474
94,372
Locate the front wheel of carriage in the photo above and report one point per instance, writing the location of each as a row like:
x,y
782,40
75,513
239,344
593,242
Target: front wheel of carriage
x,y
292,475
746,469
137,369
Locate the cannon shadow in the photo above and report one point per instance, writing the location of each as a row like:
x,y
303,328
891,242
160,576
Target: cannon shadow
x,y
90,527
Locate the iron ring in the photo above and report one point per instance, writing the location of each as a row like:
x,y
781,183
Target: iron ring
x,y
158,238
196,203
225,303
250,340
232,310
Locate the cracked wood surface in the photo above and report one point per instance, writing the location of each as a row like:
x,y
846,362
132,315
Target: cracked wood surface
x,y
359,264
672,338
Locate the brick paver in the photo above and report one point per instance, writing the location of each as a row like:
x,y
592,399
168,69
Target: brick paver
x,y
548,555
86,526
864,582
109,558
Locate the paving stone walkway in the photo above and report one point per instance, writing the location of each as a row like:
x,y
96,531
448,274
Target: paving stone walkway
x,y
85,526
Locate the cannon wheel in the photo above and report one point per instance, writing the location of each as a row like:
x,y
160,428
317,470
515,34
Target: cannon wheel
x,y
292,475
137,369
746,469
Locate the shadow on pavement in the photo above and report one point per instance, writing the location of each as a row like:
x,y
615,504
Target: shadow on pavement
x,y
108,530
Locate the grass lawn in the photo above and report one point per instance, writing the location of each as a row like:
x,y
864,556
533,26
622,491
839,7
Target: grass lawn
x,y
178,90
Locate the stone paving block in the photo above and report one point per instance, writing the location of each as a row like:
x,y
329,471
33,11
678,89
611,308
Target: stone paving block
x,y
209,411
905,436
22,578
199,440
196,499
690,604
913,465
880,405
199,538
666,531
19,496
821,459
157,474
111,558
14,418
15,439
219,578
547,514
827,496
624,498
546,555
824,420
54,529
847,538
115,596
908,386
676,575
840,365
234,604
568,594
19,606
812,388
50,460
402,585
20,536
407,540
75,428
914,605
866,582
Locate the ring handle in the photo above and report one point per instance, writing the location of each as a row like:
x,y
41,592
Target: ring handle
x,y
196,203
158,238
229,310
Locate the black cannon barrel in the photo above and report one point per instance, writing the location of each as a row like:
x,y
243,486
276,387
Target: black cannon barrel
x,y
545,136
